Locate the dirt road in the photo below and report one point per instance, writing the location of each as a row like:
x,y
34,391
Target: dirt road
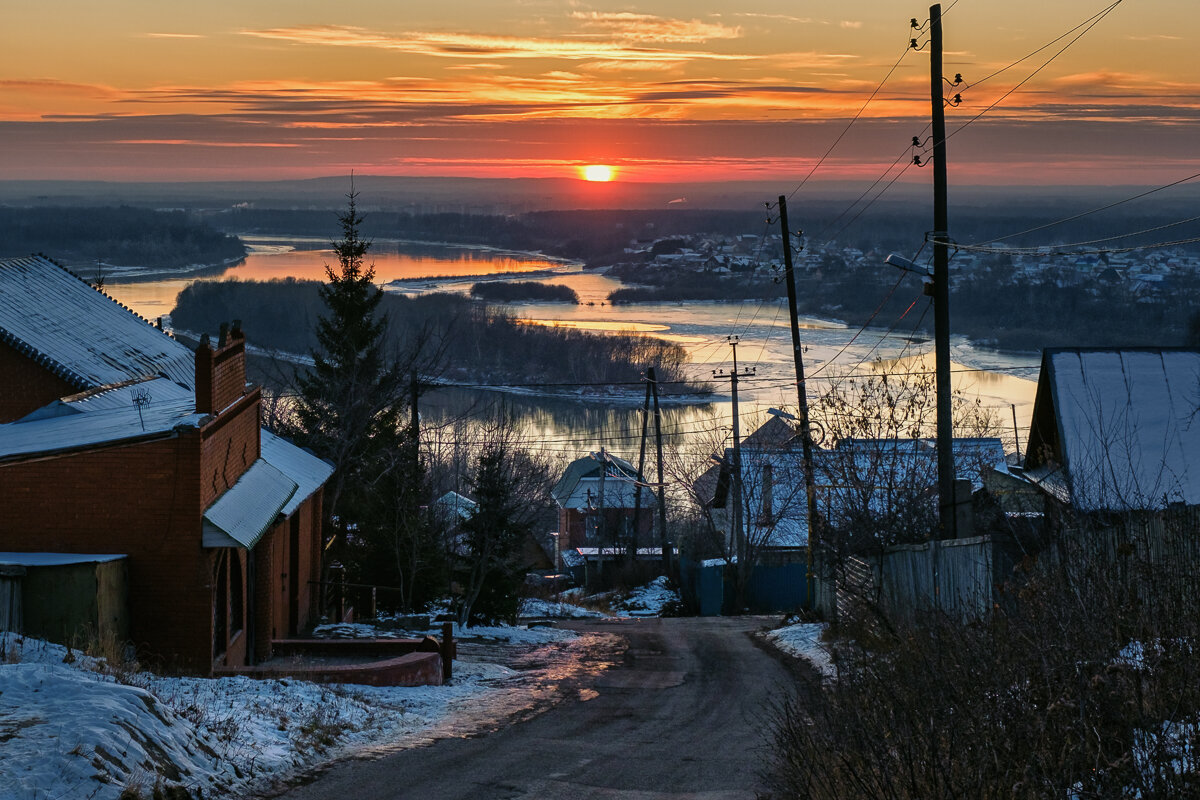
x,y
684,716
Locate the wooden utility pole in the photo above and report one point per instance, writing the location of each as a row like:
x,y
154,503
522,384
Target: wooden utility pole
x,y
602,524
810,489
739,532
662,497
941,284
637,495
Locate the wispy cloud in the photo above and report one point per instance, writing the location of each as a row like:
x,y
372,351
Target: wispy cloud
x,y
50,86
475,46
775,17
850,24
631,27
201,143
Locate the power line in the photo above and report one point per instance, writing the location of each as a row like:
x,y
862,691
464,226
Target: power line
x,y
1048,44
850,124
1093,20
858,333
1083,214
1055,251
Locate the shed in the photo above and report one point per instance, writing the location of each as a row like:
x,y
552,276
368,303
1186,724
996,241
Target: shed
x,y
65,597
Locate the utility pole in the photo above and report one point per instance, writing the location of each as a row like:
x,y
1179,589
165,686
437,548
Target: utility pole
x,y
739,532
941,284
810,489
662,497
602,527
637,495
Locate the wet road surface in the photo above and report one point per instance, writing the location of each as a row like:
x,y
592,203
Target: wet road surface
x,y
682,714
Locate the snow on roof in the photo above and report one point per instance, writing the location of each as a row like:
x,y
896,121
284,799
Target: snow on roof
x,y
241,515
619,492
82,335
1128,425
588,467
308,472
456,504
109,416
855,472
57,559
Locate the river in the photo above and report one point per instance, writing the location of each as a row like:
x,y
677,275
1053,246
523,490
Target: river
x,y
569,426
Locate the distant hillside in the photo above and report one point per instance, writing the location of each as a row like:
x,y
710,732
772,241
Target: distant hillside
x,y
121,236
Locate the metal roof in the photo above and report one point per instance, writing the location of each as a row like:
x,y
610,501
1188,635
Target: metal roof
x,y
82,335
57,559
588,467
308,472
241,515
108,416
1128,425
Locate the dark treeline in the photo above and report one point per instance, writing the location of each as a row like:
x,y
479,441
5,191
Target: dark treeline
x,y
122,236
596,237
518,291
471,340
600,237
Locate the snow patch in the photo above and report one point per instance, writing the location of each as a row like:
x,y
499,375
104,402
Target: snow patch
x,y
804,641
649,600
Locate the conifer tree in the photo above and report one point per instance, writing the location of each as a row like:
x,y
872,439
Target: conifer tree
x,y
351,403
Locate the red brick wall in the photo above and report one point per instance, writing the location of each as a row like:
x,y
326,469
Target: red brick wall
x,y
220,374
142,500
231,445
26,386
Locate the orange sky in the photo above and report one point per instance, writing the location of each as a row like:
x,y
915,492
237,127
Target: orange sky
x,y
676,91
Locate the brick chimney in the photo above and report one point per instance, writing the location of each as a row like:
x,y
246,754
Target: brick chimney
x,y
221,373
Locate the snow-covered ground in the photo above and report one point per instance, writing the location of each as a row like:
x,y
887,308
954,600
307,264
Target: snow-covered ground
x,y
649,600
533,608
71,727
803,640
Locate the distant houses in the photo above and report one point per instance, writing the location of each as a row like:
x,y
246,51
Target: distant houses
x,y
118,442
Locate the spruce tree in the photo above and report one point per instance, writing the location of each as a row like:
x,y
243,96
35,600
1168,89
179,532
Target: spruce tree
x,y
351,403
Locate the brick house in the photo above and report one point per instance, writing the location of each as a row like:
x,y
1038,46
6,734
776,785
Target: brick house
x,y
116,438
596,498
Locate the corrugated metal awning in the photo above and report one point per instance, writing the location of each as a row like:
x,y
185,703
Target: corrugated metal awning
x,y
241,516
308,471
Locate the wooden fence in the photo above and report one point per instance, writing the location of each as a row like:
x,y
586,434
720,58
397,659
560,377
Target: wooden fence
x,y
957,577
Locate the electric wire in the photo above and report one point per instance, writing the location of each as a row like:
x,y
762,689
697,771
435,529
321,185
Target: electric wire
x,y
1093,20
858,333
1083,214
850,124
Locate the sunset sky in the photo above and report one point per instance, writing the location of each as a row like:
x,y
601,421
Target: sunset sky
x,y
661,90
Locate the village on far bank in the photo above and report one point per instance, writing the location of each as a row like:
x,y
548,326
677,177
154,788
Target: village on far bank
x,y
1143,275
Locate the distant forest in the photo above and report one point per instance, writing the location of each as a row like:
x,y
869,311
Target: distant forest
x,y
468,341
597,238
519,291
122,236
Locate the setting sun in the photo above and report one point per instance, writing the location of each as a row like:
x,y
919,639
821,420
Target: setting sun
x,y
597,172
